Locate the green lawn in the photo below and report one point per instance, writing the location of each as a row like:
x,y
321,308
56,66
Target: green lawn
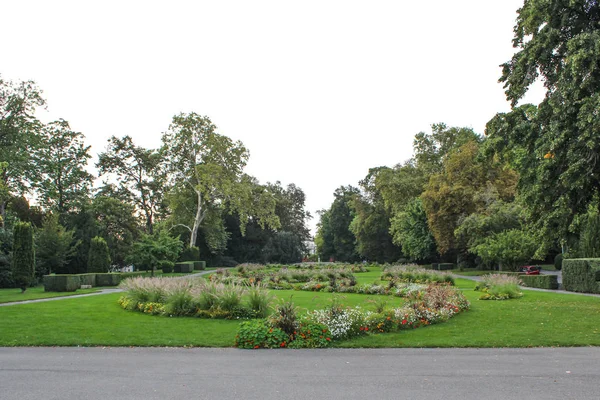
x,y
11,295
537,319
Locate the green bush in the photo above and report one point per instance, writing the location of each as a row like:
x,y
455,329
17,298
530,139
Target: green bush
x,y
108,279
190,254
558,260
184,267
445,266
87,279
540,281
581,275
199,265
167,268
259,334
99,257
23,256
61,283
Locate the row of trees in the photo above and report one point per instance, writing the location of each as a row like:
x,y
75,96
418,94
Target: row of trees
x,y
192,190
527,189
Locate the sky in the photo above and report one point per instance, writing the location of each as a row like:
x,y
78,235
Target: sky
x,y
318,91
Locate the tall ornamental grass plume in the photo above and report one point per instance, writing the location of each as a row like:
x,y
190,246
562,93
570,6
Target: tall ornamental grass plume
x,y
415,274
499,287
259,300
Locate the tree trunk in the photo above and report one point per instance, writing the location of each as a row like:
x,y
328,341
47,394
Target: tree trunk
x,y
197,220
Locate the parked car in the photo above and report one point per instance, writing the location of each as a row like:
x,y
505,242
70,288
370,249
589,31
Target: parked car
x,y
531,270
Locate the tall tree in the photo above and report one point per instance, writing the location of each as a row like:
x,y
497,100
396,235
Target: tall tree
x,y
61,160
18,128
23,258
555,146
211,165
140,175
55,246
410,231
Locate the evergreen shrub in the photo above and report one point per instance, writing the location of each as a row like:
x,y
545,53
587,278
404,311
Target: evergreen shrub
x,y
540,281
23,257
61,283
99,257
581,275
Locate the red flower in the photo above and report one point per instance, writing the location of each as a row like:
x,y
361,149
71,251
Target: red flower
x,y
282,344
256,347
328,339
404,322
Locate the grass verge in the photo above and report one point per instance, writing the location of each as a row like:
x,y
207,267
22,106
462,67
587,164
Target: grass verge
x,y
13,295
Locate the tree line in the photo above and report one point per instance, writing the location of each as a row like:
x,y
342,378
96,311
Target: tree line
x,y
528,189
188,197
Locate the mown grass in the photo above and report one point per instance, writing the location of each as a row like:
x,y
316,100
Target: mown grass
x,y
537,319
13,295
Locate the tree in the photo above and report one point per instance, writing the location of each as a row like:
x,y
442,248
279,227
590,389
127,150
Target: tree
x,y
55,246
589,240
18,136
283,248
410,231
509,248
61,159
117,224
23,258
457,192
140,175
334,238
554,147
99,257
211,166
155,251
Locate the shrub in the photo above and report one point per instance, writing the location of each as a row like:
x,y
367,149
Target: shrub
x,y
540,281
259,334
184,267
167,267
108,279
190,254
581,275
499,287
87,279
61,283
230,298
23,257
558,260
99,256
286,317
310,335
179,303
445,266
259,300
199,265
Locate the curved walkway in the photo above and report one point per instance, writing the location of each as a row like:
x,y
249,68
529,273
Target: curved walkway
x,y
99,292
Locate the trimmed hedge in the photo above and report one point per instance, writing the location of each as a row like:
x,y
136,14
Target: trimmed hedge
x,y
187,266
61,283
200,265
108,279
581,275
540,281
445,266
167,268
87,279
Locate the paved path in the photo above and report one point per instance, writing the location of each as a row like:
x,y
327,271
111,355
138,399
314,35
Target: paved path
x,y
227,374
101,291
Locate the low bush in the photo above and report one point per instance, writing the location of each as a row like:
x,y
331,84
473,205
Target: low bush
x,y
540,281
199,265
558,260
184,267
581,275
87,279
108,279
445,266
260,334
499,287
61,283
167,268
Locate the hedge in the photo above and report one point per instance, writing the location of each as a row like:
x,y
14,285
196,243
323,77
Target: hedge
x,y
108,279
540,281
581,275
61,283
167,268
200,265
87,279
445,266
187,266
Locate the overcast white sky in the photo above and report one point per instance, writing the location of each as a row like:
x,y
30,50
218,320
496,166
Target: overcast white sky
x,y
318,91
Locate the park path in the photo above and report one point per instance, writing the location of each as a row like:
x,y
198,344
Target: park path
x,y
101,291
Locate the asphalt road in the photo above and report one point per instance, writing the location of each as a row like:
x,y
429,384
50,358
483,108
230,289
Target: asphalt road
x,y
222,374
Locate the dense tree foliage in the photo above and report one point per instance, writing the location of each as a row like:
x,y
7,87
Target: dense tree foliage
x,y
99,257
23,256
55,246
154,251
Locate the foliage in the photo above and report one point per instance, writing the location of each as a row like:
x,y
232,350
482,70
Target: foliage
x,y
62,183
509,248
285,317
154,251
540,281
553,146
589,240
190,254
457,191
260,334
283,247
410,231
210,165
499,287
334,238
99,257
581,275
140,175
55,246
558,260
18,137
23,256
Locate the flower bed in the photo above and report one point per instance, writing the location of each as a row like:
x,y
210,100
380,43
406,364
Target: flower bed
x,y
499,287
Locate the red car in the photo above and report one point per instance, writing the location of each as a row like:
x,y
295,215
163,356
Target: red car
x,y
531,270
